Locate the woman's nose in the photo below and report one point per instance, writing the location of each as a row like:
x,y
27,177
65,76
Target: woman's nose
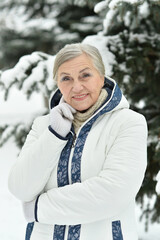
x,y
77,86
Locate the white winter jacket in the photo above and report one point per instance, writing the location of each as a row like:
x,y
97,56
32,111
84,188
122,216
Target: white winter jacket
x,y
86,186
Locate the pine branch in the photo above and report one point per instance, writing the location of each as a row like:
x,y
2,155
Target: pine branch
x,y
31,74
19,131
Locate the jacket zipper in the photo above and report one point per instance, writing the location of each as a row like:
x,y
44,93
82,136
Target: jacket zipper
x,y
71,155
69,173
66,232
74,139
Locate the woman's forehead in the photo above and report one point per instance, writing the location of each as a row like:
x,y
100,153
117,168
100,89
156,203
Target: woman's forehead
x,y
80,63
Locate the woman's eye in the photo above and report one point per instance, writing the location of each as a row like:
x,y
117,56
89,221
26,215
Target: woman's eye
x,y
66,78
85,75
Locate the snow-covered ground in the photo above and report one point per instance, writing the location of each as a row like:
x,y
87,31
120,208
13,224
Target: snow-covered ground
x,y
12,223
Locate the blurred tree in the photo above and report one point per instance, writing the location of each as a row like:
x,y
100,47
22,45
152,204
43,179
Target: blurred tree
x,y
43,25
32,73
133,36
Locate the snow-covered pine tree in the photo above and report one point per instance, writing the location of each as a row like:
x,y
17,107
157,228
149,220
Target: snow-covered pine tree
x,y
38,25
78,17
26,26
32,73
43,25
132,34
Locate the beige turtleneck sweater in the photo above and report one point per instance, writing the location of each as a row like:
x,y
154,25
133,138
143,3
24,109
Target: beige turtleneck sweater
x,y
80,118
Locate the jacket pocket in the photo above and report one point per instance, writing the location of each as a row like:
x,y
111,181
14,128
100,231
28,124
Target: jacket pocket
x,y
117,230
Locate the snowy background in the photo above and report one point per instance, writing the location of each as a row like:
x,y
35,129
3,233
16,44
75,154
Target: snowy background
x,y
12,222
18,109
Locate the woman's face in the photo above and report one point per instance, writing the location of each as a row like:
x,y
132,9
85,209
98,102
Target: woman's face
x,y
79,82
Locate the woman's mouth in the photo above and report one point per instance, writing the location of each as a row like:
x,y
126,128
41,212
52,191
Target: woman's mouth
x,y
80,97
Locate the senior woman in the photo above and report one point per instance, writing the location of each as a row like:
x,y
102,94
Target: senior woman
x,y
82,165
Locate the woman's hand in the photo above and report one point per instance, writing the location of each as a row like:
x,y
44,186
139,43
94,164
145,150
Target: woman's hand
x,y
61,118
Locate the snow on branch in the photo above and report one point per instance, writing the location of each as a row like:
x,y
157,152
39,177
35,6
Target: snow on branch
x,y
119,12
18,130
32,73
99,7
112,4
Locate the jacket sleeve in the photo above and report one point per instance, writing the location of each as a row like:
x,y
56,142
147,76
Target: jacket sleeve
x,y
37,159
107,194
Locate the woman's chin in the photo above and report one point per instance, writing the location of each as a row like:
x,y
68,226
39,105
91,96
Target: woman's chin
x,y
82,109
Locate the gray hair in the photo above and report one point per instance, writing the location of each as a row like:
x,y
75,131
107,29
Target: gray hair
x,y
74,50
